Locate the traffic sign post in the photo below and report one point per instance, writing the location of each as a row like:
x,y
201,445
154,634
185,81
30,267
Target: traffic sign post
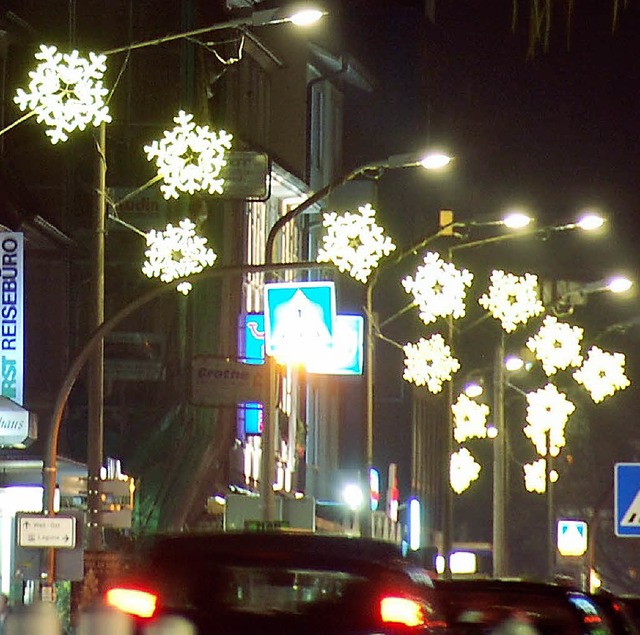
x,y
37,531
627,500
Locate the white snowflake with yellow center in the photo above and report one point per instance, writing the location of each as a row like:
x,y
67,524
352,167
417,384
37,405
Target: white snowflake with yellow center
x,y
439,288
469,419
176,252
602,373
557,345
535,476
429,363
355,243
189,158
463,470
548,411
512,299
65,92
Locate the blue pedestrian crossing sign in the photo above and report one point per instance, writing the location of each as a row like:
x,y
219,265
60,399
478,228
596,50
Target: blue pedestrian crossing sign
x,y
627,499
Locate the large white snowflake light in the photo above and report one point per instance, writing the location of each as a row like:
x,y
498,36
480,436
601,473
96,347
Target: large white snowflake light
x,y
535,476
429,362
439,288
512,299
469,419
189,158
548,411
602,373
177,252
557,345
355,243
463,470
65,92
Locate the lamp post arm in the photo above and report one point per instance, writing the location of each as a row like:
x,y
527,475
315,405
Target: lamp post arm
x,y
312,200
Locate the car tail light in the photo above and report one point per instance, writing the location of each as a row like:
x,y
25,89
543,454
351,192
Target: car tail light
x,y
132,601
399,610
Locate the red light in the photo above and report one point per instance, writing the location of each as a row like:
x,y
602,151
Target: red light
x,y
401,611
592,619
132,601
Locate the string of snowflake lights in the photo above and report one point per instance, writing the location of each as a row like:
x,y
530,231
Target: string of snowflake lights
x,y
439,288
512,299
175,253
429,362
548,411
470,419
535,476
65,92
355,243
557,345
602,374
189,157
463,470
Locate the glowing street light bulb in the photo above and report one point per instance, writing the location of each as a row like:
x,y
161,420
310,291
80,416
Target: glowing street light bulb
x,y
619,284
306,17
516,220
435,161
353,496
513,363
590,221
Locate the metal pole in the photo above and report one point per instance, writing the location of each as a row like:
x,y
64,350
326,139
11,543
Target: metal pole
x,y
447,493
551,520
366,527
95,436
499,464
267,464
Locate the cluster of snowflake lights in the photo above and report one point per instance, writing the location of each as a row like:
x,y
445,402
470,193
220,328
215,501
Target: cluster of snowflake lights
x,y
535,476
189,158
65,92
463,470
439,288
557,345
602,373
176,252
469,419
355,243
512,299
429,363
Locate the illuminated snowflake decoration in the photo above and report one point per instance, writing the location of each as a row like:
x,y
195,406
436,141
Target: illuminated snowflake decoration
x,y
512,299
189,158
175,253
65,92
463,470
548,411
535,476
602,374
429,363
557,345
355,243
439,289
470,419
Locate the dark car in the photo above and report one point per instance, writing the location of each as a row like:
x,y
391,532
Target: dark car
x,y
281,583
474,606
622,611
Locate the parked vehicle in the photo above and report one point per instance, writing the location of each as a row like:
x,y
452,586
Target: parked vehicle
x,y
623,612
281,582
520,607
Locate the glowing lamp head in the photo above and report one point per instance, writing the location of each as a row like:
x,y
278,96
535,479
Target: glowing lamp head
x,y
516,220
619,284
306,17
435,161
590,222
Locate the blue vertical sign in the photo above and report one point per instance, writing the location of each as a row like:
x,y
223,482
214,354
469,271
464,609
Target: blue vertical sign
x,y
627,499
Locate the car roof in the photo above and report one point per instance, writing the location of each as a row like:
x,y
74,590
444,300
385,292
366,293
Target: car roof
x,y
319,549
515,585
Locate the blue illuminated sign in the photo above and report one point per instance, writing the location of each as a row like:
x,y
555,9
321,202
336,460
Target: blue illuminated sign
x,y
627,499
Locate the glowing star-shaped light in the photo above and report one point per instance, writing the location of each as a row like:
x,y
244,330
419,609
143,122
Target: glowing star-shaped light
x,y
512,299
557,345
189,158
429,362
470,419
548,411
65,92
355,243
602,373
176,252
535,476
438,288
463,470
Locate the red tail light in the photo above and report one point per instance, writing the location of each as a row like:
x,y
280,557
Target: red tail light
x,y
399,610
132,601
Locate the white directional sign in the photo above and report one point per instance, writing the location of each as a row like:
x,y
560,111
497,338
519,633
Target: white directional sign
x,y
572,537
46,531
627,499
